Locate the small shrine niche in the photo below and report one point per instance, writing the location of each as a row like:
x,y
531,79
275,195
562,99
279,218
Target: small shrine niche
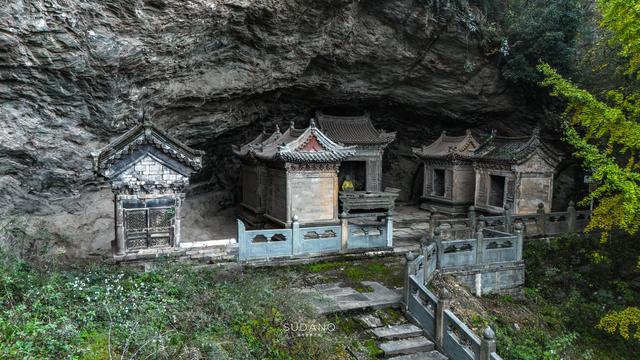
x,y
514,173
148,171
291,173
364,167
449,177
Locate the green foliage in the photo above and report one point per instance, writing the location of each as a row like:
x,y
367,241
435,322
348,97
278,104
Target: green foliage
x,y
604,130
622,17
530,31
174,312
534,344
572,293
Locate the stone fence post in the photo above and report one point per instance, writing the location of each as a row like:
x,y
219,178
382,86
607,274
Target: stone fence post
x,y
432,227
571,216
409,269
389,229
487,344
242,241
479,246
444,301
425,255
296,244
439,247
507,218
519,241
541,220
344,224
472,217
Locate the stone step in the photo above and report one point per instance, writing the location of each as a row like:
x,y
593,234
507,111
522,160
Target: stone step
x,y
397,331
369,320
429,355
407,346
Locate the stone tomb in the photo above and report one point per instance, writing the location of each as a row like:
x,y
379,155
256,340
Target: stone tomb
x,y
514,173
364,167
449,178
291,173
148,171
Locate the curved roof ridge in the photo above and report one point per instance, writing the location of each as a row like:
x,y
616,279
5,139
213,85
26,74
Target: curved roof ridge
x,y
353,129
441,147
146,132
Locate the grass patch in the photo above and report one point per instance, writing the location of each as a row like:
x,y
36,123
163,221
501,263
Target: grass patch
x,y
173,312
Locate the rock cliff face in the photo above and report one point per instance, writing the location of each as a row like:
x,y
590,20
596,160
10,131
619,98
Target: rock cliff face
x,y
215,72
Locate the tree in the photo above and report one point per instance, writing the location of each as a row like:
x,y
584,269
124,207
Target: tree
x,y
604,128
537,29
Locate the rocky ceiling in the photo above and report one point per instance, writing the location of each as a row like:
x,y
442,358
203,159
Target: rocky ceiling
x,y
215,72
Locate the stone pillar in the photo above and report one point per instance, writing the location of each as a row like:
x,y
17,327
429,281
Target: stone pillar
x,y
409,269
344,223
471,214
432,225
571,216
487,344
479,246
177,220
425,265
296,244
542,231
119,216
439,247
444,301
389,229
519,241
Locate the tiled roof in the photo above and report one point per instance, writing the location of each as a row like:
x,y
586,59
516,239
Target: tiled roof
x,y
145,133
514,150
448,147
308,145
356,130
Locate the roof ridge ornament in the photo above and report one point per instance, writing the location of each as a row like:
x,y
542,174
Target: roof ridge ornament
x,y
312,123
536,131
292,125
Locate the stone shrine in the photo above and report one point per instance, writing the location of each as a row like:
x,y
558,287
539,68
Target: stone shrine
x,y
514,173
291,173
364,167
449,177
148,171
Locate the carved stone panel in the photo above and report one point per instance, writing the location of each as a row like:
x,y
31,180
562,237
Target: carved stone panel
x,y
534,190
313,196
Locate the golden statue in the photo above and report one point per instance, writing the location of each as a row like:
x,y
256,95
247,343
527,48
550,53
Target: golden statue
x,y
347,184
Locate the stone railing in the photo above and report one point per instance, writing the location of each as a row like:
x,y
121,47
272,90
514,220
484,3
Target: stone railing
x,y
349,235
487,247
433,314
540,223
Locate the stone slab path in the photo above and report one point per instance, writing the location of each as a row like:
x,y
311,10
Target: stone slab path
x,y
334,297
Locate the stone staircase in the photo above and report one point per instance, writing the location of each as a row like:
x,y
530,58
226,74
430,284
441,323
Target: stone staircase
x,y
406,342
402,341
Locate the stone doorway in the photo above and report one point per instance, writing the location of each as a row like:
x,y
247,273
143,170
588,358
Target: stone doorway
x,y
496,190
149,227
357,171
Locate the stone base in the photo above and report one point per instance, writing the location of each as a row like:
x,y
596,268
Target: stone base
x,y
448,210
501,278
208,254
